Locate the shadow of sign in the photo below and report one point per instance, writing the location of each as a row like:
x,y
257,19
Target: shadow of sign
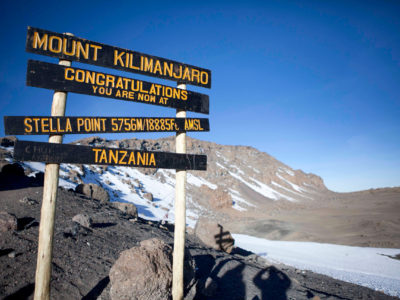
x,y
223,238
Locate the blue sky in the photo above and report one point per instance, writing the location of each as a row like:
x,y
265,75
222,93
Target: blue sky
x,y
313,83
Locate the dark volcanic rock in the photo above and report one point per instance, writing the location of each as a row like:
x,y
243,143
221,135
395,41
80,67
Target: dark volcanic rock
x,y
8,141
82,258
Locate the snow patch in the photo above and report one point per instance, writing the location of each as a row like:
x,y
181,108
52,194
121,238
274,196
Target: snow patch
x,y
370,267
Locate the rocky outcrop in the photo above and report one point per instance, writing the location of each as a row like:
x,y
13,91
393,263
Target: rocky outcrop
x,y
93,191
8,222
213,235
143,272
221,199
83,219
148,196
127,208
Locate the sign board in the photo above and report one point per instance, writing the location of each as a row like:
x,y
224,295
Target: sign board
x,y
73,48
68,79
35,125
64,153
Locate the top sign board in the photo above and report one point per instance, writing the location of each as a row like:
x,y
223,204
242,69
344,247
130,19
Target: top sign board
x,y
68,47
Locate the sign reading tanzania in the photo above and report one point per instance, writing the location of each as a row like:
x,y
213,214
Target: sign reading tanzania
x,y
29,125
68,79
68,47
62,153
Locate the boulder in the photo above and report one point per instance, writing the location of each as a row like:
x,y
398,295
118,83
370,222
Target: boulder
x,y
83,219
13,169
127,208
8,141
148,196
143,272
213,235
221,199
8,222
93,191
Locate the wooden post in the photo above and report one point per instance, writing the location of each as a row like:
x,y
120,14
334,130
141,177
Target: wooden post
x,y
47,213
180,214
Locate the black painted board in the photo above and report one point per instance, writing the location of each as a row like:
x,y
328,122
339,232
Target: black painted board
x,y
74,154
93,83
37,125
73,48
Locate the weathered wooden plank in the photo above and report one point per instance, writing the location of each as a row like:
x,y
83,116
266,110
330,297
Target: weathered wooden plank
x,y
40,125
94,83
68,47
66,153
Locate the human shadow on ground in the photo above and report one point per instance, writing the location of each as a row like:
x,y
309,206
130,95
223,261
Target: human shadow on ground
x,y
233,279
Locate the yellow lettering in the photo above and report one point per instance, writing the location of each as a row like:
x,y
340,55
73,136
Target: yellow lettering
x,y
205,76
122,161
98,81
152,160
186,74
79,122
148,64
85,52
96,158
118,58
68,127
157,67
44,123
28,126
42,42
103,156
131,160
96,48
59,45
184,94
131,61
66,76
65,47
195,74
113,156
110,80
36,120
119,84
168,69
141,158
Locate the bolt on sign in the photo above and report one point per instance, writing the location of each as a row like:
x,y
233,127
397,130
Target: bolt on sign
x,y
74,154
35,125
68,79
68,47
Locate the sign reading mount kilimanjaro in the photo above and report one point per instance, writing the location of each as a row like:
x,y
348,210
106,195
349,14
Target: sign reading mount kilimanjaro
x,y
68,47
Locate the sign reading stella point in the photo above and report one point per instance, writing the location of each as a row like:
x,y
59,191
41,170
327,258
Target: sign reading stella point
x,y
29,125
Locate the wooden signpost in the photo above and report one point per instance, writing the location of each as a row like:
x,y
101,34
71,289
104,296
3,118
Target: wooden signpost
x,y
72,48
93,83
73,154
36,125
63,78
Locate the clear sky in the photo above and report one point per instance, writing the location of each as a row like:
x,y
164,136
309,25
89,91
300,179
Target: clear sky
x,y
313,83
